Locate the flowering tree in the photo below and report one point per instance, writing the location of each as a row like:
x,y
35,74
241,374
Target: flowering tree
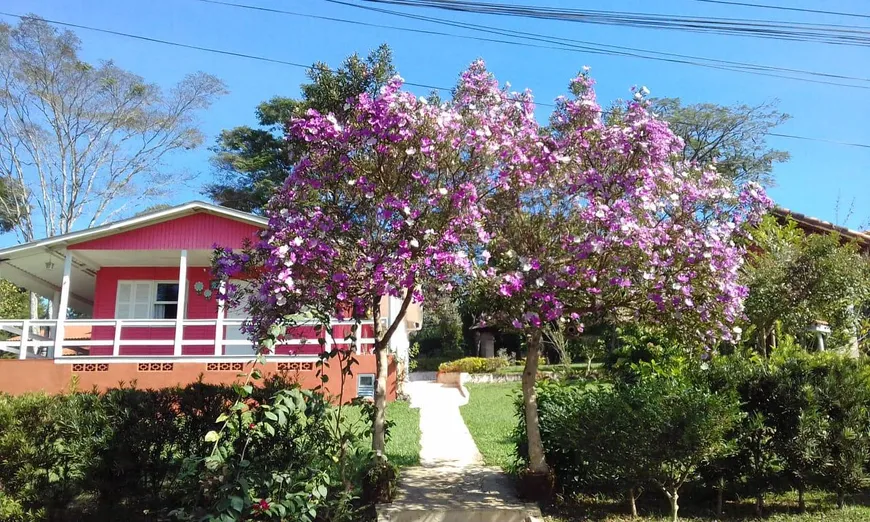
x,y
384,204
601,223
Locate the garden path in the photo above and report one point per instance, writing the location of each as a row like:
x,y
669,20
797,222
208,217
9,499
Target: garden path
x,y
451,482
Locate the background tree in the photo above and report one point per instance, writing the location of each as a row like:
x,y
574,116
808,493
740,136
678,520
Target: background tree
x,y
253,162
795,279
732,136
11,192
82,142
441,333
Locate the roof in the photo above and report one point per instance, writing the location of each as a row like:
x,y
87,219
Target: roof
x,y
150,218
37,266
821,226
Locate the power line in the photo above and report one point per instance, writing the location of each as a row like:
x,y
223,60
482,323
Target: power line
x,y
561,44
785,8
315,67
611,50
773,29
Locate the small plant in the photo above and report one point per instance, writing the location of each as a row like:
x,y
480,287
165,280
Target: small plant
x,y
474,365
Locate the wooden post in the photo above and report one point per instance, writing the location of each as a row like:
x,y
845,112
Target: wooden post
x,y
25,334
182,303
62,306
116,343
219,323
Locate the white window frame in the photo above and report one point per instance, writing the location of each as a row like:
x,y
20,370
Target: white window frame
x,y
374,384
152,293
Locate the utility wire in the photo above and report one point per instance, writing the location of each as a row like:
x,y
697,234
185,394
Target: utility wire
x,y
784,8
779,30
562,44
596,48
320,67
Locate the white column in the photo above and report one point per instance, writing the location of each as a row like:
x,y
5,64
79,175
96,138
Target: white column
x,y
62,306
182,303
55,303
116,339
25,335
399,341
219,323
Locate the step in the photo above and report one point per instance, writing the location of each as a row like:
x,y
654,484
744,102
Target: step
x,y
457,515
448,494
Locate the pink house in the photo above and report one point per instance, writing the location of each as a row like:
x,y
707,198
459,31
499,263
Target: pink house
x,y
143,288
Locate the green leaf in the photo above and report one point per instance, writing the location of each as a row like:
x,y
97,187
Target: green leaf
x,y
269,429
238,503
271,416
222,417
212,436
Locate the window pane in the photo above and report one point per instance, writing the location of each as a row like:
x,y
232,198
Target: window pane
x,y
167,292
141,311
125,292
166,311
142,293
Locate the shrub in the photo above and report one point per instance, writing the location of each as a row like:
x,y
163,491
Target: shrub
x,y
131,454
474,365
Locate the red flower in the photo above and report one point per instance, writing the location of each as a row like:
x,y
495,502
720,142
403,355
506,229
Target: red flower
x,y
252,426
262,505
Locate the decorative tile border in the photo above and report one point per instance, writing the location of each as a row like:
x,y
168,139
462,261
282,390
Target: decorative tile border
x,y
295,366
101,367
224,367
155,367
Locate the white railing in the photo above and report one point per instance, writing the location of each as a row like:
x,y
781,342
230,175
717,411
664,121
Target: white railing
x,y
33,345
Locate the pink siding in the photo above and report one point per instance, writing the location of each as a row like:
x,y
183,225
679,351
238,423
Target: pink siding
x,y
198,231
198,307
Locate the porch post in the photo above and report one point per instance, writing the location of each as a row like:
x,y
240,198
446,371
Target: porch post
x,y
62,306
219,323
182,303
55,304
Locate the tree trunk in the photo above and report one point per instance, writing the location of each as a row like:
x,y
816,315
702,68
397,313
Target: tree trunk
x,y
841,498
674,498
379,442
759,505
537,462
802,505
720,498
382,345
633,499
588,366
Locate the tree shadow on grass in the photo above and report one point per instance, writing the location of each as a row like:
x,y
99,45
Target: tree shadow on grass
x,y
653,506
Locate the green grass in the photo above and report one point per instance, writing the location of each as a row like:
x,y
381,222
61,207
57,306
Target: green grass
x,y
575,368
778,508
491,417
403,446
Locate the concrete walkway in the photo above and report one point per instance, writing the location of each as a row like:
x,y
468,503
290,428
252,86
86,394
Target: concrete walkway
x,y
451,482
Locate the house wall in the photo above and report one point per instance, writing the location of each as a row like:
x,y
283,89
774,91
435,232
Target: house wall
x,y
198,307
198,231
40,375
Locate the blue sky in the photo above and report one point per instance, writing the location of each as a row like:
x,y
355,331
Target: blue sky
x,y
811,182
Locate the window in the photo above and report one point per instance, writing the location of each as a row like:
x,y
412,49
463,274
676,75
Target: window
x,y
146,300
366,385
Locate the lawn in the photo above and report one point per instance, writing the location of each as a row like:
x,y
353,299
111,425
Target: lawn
x,y
779,508
403,446
575,368
491,417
